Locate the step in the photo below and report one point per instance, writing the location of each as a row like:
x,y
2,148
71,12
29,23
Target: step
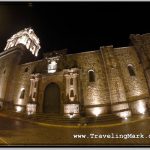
x,y
55,118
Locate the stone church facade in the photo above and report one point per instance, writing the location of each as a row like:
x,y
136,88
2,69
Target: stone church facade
x,y
94,83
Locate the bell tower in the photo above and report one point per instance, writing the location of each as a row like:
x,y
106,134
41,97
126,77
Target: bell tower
x,y
26,37
21,48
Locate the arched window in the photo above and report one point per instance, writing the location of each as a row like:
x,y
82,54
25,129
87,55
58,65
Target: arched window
x,y
131,70
26,69
34,95
28,43
71,81
71,93
22,94
91,76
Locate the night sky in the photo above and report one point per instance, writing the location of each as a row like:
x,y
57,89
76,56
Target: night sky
x,y
77,26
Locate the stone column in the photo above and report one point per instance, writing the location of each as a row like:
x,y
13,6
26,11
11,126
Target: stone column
x,y
71,87
32,104
36,51
35,89
71,107
15,41
31,86
67,84
75,84
28,43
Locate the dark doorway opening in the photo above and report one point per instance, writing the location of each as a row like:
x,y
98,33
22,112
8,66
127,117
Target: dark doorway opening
x,y
51,103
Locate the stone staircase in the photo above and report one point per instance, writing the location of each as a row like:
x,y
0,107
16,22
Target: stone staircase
x,y
103,119
53,119
57,119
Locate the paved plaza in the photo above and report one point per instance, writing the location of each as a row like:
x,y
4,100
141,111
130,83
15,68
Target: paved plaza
x,y
17,132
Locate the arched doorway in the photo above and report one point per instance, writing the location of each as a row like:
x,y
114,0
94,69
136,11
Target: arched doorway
x,y
51,103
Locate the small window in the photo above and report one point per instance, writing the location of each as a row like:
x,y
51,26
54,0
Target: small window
x,y
28,43
91,76
34,95
22,94
26,69
131,70
71,81
71,93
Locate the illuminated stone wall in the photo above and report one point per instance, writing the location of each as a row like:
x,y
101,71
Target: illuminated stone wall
x,y
5,69
136,86
23,79
22,82
110,68
142,46
25,73
8,72
116,86
92,94
102,84
139,106
112,90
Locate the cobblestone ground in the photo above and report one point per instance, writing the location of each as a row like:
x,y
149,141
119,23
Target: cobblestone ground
x,y
14,132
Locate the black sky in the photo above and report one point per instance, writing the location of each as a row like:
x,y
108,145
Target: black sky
x,y
77,26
